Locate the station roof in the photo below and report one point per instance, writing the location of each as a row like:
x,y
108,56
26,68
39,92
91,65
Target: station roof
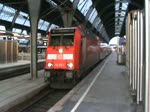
x,y
106,17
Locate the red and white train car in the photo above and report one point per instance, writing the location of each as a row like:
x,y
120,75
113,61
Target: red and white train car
x,y
70,53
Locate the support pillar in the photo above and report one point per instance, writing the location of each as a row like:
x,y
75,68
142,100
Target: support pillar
x,y
75,3
67,16
34,9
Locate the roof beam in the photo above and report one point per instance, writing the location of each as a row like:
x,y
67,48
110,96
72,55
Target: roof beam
x,y
1,10
14,19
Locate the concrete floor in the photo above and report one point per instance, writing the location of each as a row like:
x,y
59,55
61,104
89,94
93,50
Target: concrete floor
x,y
109,92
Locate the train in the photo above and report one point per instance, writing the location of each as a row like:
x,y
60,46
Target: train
x,y
70,53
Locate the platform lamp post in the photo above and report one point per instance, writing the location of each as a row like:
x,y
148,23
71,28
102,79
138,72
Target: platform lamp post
x,y
147,56
34,9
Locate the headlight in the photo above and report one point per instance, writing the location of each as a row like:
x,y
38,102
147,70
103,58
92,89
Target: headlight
x,y
70,65
50,64
60,50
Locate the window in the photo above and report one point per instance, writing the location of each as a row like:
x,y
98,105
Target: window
x,y
27,22
53,26
2,27
45,25
7,13
84,6
55,41
67,40
93,15
22,17
62,40
16,30
1,6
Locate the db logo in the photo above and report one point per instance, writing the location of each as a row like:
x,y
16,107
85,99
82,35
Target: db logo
x,y
59,56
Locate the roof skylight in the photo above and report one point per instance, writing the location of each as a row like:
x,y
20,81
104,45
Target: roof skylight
x,y
120,13
6,13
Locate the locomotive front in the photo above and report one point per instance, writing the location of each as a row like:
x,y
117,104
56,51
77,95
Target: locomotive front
x,y
60,66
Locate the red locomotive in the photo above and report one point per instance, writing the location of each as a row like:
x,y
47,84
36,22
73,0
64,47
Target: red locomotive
x,y
70,53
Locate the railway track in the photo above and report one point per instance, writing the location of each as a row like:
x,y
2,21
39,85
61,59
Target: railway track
x,y
41,102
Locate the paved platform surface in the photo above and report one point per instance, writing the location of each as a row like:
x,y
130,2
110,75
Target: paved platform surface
x,y
105,89
17,89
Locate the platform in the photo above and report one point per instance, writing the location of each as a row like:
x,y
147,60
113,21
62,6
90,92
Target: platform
x,y
105,89
18,63
18,68
15,90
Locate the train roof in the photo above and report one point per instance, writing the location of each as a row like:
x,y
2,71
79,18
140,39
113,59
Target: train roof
x,y
67,28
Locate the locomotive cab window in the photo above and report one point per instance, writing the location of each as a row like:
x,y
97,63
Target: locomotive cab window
x,y
67,40
55,41
62,40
